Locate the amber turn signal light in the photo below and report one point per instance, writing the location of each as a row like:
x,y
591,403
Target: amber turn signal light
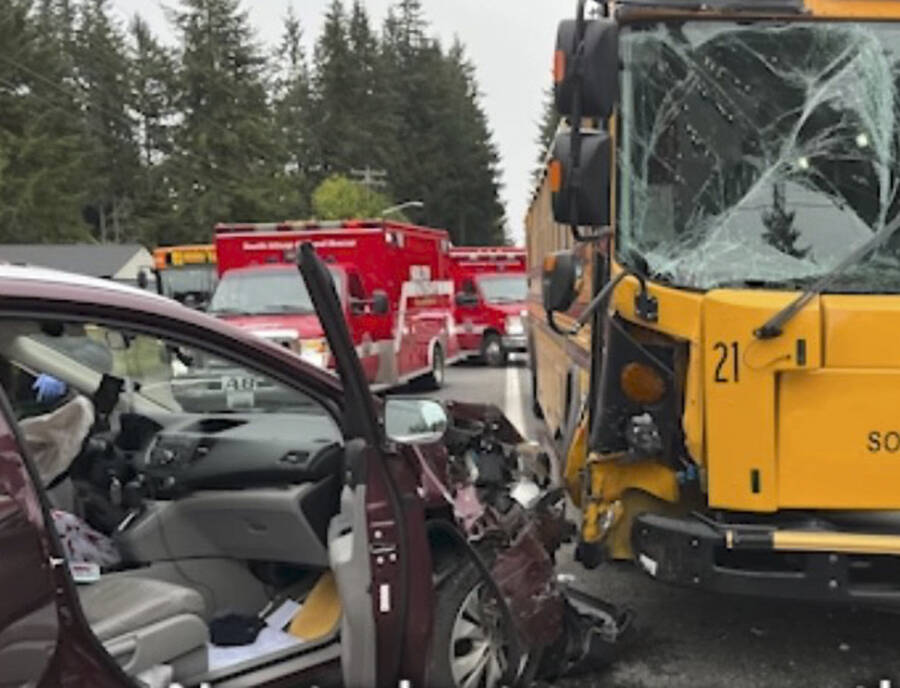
x,y
559,66
556,175
549,263
642,384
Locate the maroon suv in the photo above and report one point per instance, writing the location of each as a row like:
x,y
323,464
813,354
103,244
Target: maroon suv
x,y
184,503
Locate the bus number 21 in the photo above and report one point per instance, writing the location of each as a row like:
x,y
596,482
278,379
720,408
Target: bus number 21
x,y
726,351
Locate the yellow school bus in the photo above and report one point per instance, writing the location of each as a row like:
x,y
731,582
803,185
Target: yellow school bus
x,y
186,273
731,183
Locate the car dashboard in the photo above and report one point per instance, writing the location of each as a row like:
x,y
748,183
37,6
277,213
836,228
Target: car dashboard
x,y
235,451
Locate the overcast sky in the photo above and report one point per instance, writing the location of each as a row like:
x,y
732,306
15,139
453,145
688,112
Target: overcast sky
x,y
509,41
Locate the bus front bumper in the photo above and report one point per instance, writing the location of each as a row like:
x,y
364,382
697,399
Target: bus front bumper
x,y
802,564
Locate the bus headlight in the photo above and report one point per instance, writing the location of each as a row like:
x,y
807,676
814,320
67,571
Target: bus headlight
x,y
315,351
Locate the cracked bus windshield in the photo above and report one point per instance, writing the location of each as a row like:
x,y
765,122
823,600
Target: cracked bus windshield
x,y
760,155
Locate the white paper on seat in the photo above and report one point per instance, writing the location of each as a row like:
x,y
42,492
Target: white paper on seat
x,y
269,640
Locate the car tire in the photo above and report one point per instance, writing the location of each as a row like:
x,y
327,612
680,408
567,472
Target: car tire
x,y
461,630
492,351
435,379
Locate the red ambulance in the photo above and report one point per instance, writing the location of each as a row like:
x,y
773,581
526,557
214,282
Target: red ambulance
x,y
394,282
491,289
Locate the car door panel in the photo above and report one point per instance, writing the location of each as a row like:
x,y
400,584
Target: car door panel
x,y
392,532
44,638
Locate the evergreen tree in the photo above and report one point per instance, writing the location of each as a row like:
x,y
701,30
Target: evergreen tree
x,y
152,101
104,80
224,163
333,106
546,132
41,144
444,155
112,133
293,100
369,108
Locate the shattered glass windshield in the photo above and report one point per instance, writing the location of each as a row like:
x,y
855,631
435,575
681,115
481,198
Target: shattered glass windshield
x,y
760,154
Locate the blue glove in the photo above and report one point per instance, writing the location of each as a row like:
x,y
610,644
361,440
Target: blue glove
x,y
48,388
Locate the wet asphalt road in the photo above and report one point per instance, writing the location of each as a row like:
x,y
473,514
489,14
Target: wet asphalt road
x,y
691,639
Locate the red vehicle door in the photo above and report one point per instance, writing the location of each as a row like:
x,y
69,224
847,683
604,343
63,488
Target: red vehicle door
x,y
381,528
44,639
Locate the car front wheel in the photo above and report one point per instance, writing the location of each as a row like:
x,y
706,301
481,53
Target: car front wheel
x,y
470,646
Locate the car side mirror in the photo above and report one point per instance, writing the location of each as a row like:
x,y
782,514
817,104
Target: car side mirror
x,y
380,303
414,421
560,281
143,279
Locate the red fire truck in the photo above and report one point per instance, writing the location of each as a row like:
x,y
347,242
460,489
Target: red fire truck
x,y
490,300
394,282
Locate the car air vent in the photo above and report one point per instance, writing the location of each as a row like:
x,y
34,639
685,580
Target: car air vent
x,y
211,426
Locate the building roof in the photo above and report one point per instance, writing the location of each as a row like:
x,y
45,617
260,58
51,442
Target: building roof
x,y
94,260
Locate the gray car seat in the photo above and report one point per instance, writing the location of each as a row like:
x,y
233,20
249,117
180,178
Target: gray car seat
x,y
143,622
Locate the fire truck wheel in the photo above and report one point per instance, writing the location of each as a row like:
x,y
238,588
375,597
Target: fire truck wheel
x,y
492,351
435,379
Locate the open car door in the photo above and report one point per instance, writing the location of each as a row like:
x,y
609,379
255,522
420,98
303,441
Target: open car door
x,y
387,603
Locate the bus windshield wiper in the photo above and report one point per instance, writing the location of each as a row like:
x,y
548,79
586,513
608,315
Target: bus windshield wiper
x,y
774,326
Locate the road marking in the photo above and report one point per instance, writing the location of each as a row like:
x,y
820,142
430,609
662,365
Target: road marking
x,y
513,402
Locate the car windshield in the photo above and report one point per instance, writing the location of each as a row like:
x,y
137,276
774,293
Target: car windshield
x,y
760,154
503,288
178,282
263,291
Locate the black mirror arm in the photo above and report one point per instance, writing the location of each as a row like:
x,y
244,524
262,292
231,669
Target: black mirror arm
x,y
599,300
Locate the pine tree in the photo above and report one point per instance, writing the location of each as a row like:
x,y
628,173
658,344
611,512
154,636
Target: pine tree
x,y
103,74
293,100
41,144
152,102
224,163
370,109
332,108
546,132
444,155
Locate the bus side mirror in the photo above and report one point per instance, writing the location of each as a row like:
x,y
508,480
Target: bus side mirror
x,y
380,303
595,55
559,281
581,197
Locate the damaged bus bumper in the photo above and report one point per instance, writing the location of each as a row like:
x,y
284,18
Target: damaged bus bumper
x,y
804,562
